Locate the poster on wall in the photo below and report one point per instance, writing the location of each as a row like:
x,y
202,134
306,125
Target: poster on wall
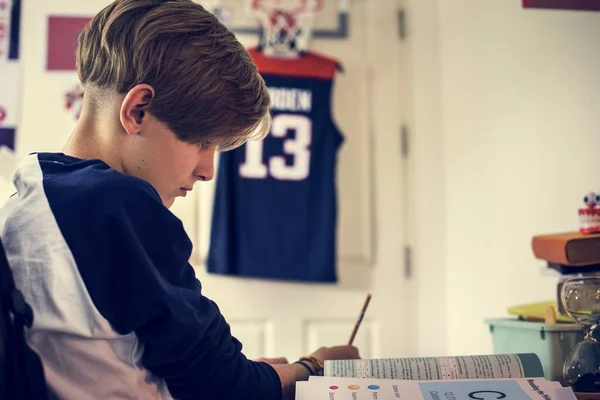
x,y
62,41
10,17
63,31
582,5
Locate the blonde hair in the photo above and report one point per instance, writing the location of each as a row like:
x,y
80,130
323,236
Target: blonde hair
x,y
207,88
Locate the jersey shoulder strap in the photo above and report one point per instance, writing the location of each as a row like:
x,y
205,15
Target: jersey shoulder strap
x,y
309,65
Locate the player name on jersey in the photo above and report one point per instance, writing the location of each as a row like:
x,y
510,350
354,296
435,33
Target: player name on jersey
x,y
275,210
286,99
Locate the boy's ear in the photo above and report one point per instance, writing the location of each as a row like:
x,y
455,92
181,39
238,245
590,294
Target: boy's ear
x,y
134,109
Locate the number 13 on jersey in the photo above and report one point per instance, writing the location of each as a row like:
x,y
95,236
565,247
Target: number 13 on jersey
x,y
298,147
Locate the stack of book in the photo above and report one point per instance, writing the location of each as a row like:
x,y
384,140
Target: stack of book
x,y
571,254
485,377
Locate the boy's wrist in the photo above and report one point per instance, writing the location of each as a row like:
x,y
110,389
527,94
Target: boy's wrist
x,y
315,365
307,367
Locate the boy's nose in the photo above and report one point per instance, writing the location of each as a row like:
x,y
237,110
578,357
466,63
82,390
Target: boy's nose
x,y
205,171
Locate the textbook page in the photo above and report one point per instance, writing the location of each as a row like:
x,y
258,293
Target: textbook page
x,y
328,388
496,366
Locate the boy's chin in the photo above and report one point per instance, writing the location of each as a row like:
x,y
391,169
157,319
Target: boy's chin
x,y
168,202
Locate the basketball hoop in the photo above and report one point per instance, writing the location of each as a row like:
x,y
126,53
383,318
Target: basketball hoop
x,y
286,29
221,11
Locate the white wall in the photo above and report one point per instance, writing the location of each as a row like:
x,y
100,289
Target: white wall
x,y
365,107
519,133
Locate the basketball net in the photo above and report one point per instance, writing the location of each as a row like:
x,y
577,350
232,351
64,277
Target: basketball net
x,y
286,25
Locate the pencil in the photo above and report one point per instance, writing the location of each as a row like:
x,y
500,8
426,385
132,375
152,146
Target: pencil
x,y
360,318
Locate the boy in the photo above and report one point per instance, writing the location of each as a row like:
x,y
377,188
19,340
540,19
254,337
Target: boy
x,y
90,239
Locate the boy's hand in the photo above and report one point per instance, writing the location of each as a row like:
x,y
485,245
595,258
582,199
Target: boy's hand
x,y
336,353
291,373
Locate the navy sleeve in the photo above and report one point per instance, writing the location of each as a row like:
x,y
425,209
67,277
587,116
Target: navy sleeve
x,y
133,256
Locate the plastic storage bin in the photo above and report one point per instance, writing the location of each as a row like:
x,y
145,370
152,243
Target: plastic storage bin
x,y
551,342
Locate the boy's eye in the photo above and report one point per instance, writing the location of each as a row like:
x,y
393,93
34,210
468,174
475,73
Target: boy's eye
x,y
204,144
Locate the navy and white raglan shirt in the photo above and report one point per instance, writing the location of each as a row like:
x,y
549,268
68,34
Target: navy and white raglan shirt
x,y
118,310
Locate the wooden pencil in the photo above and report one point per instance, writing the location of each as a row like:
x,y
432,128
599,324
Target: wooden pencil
x,y
360,318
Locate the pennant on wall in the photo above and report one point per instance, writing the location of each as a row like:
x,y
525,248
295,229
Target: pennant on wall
x,y
10,16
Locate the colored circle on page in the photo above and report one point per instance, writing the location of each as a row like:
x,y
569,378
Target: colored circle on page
x,y
333,387
353,387
373,387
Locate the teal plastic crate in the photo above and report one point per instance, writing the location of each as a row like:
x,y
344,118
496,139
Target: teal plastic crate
x,y
551,342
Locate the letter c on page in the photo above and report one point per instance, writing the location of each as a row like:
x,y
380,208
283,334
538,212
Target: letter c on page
x,y
484,394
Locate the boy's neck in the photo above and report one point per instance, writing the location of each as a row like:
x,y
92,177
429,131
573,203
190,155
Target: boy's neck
x,y
93,139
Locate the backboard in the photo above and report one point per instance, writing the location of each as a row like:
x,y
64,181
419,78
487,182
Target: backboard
x,y
329,22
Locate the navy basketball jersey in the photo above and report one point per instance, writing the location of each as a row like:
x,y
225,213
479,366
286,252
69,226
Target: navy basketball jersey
x,y
275,206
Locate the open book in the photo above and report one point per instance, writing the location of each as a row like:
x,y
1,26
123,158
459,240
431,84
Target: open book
x,y
485,377
328,388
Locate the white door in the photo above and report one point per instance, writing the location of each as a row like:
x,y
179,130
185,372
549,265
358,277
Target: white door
x,y
274,318
287,319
